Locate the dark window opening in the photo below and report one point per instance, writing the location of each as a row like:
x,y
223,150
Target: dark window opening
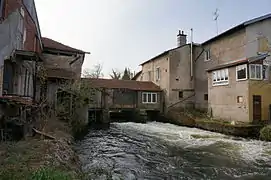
x,y
206,97
180,94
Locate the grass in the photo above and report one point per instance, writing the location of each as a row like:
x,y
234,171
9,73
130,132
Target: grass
x,y
46,173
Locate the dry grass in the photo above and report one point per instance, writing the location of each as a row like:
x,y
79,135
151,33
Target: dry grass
x,y
40,157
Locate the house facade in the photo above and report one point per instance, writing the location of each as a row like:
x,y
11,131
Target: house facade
x,y
234,71
222,78
172,70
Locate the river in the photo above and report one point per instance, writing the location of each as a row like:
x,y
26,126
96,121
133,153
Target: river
x,y
165,151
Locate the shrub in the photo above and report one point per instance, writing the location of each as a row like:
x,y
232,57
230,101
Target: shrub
x,y
265,133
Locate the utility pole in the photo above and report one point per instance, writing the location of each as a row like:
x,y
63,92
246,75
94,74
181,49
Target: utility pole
x,y
216,15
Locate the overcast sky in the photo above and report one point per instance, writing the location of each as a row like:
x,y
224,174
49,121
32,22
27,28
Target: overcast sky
x,y
124,33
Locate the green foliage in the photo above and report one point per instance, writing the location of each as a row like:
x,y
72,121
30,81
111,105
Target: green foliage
x,y
265,133
49,174
74,97
126,74
40,174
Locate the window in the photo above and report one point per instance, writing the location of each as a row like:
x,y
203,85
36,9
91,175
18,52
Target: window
x,y
149,75
180,94
241,72
148,97
221,77
256,71
158,73
240,99
206,97
207,55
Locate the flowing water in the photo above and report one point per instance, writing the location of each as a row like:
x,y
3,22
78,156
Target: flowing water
x,y
165,151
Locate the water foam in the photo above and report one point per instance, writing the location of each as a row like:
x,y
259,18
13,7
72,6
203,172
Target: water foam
x,y
251,150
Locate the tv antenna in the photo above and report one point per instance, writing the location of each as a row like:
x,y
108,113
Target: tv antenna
x,y
216,15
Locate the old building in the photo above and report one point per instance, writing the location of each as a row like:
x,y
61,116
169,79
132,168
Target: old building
x,y
62,64
237,63
125,94
172,70
20,47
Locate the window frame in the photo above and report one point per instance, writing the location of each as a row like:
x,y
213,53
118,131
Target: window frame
x,y
220,77
261,71
207,56
180,93
238,68
147,100
158,73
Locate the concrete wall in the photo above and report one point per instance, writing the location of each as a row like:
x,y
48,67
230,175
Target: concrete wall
x,y
223,99
258,33
180,77
223,50
163,63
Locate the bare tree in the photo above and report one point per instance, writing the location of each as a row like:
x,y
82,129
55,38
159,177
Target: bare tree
x,y
115,74
95,72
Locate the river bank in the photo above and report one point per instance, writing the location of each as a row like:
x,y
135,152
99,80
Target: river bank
x,y
40,158
199,120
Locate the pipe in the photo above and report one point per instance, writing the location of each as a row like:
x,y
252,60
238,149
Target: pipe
x,y
191,55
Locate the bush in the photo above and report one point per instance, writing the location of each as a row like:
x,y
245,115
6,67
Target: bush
x,y
265,133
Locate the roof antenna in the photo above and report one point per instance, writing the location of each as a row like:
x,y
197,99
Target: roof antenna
x,y
216,15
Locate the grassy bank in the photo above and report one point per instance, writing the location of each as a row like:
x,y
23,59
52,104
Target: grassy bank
x,y
37,158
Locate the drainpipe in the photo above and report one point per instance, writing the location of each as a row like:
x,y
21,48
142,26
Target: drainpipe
x,y
191,55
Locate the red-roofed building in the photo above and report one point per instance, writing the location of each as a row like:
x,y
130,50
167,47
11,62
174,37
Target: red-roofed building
x,y
126,94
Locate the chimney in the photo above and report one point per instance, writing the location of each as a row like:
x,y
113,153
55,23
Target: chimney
x,y
181,38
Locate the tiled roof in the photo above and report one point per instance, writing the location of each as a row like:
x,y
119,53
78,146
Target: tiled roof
x,y
52,44
122,84
60,73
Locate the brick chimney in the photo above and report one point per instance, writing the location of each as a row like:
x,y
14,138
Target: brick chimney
x,y
181,38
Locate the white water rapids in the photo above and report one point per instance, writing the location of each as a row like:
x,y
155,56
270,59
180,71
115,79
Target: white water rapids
x,y
165,151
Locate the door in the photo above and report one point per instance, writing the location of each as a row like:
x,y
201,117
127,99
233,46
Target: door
x,y
257,108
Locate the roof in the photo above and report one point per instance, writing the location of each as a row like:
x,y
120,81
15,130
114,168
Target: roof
x,y
238,27
239,62
52,44
60,73
137,75
123,84
166,52
17,100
